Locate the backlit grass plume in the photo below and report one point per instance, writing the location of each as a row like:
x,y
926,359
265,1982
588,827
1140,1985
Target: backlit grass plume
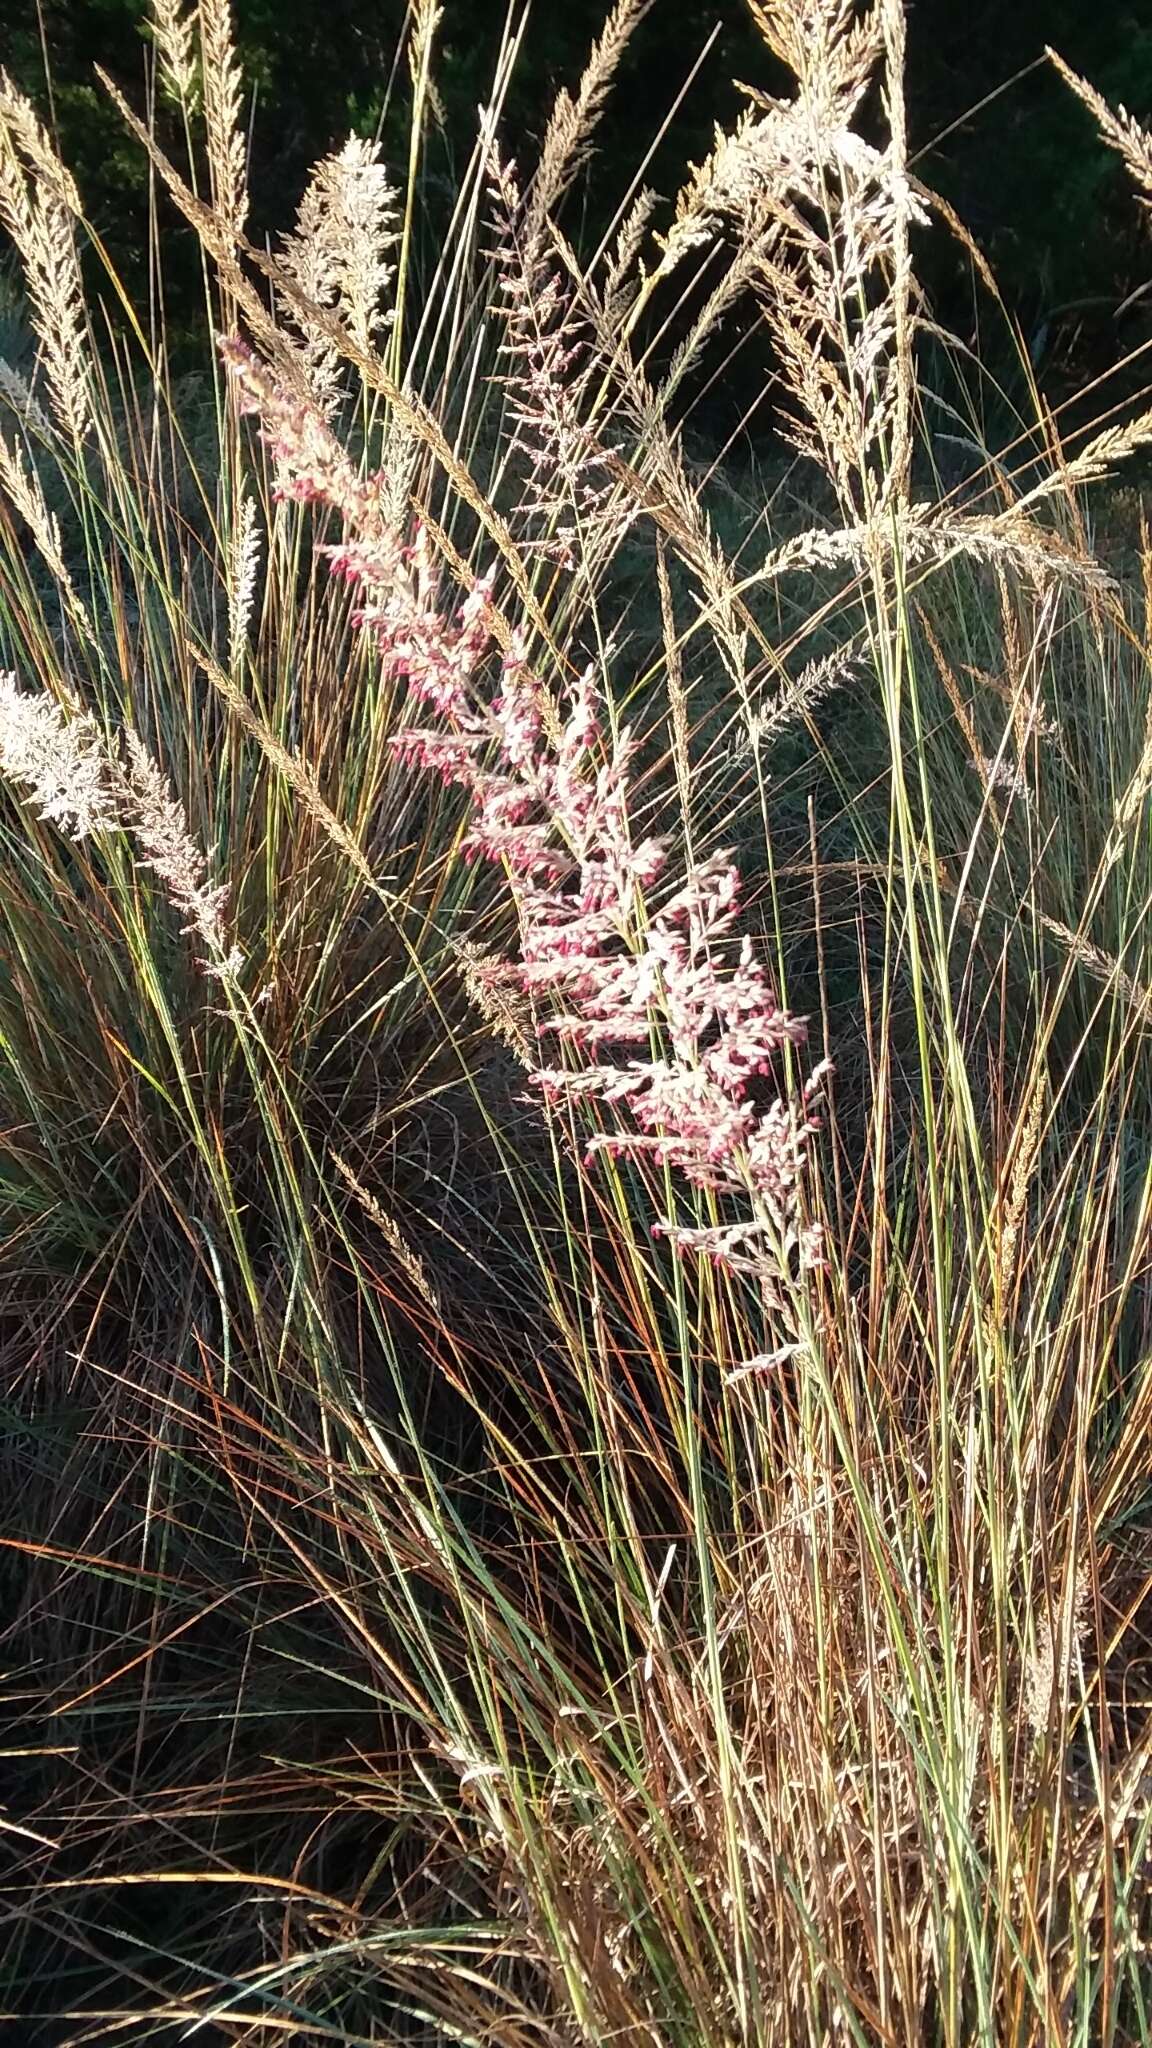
x,y
62,764
550,799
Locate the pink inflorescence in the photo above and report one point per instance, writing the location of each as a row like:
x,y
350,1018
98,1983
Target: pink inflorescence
x,y
666,1031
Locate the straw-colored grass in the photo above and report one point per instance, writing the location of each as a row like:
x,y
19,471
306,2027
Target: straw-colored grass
x,y
440,1603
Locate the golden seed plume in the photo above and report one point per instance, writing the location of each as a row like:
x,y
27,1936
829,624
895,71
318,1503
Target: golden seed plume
x,y
39,205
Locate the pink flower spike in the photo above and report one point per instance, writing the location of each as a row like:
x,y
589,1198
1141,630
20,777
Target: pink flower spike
x,y
620,972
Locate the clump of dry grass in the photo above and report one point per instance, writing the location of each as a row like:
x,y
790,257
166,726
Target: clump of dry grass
x,y
490,1625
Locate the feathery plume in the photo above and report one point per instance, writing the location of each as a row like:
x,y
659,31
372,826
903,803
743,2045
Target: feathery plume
x,y
568,491
62,762
568,136
549,802
817,680
59,760
25,492
156,819
173,33
924,533
243,572
18,394
1103,967
338,257
38,206
406,1257
1119,128
29,136
823,219
497,994
1097,459
223,100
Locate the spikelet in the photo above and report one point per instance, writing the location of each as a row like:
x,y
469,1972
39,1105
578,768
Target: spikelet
x,y
568,492
1097,459
553,316
18,394
243,571
25,493
156,819
60,761
1052,1660
573,120
1119,128
823,218
1011,1202
1005,776
223,96
173,33
741,275
28,135
425,17
338,257
39,204
497,996
1010,539
619,288
924,533
904,209
406,1257
399,456
1103,967
818,679
830,48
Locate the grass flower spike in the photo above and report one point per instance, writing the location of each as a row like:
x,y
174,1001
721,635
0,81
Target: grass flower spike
x,y
77,784
551,804
59,761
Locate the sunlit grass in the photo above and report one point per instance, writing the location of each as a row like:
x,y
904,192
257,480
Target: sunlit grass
x,y
434,1610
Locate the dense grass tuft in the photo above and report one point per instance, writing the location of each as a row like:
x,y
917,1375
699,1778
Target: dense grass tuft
x,y
545,1501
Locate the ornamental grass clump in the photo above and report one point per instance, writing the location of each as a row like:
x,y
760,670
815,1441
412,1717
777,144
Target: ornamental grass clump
x,y
544,1501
